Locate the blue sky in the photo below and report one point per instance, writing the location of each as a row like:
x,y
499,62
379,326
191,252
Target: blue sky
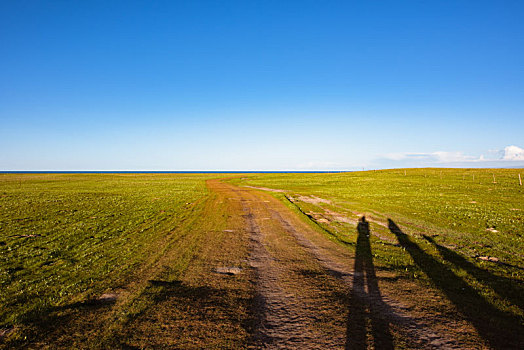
x,y
260,85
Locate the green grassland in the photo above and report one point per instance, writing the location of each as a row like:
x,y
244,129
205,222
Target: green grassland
x,y
448,200
68,238
453,229
65,238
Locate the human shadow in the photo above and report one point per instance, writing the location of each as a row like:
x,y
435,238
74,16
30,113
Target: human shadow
x,y
366,307
502,330
505,287
77,321
48,317
199,298
53,322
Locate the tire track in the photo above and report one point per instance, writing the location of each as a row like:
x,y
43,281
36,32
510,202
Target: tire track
x,y
286,321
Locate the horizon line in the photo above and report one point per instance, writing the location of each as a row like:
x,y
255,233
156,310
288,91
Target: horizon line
x,y
231,171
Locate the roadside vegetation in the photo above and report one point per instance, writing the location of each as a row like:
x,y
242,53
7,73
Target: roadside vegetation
x,y
69,241
467,209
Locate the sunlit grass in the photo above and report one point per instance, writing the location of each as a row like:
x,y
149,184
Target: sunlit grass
x,y
66,237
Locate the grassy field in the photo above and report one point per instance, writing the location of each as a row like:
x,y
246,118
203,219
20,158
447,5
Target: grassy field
x,y
455,230
67,238
70,242
471,211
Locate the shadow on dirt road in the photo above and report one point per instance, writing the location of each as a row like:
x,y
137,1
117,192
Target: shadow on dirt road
x,y
366,308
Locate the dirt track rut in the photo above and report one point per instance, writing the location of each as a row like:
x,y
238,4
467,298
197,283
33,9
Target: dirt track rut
x,y
315,294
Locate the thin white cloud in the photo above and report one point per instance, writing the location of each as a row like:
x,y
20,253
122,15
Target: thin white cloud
x,y
404,156
508,154
321,165
434,157
513,153
451,157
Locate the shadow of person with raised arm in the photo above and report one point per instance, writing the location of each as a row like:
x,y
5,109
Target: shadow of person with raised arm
x,y
507,288
366,308
502,330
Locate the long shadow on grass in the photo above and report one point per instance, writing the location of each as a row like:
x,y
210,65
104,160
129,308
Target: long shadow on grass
x,y
500,329
52,321
205,302
366,307
48,317
203,309
505,287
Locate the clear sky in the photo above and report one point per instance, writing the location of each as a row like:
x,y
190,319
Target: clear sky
x,y
260,85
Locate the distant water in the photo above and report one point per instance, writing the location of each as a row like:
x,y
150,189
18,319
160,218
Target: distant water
x,y
170,172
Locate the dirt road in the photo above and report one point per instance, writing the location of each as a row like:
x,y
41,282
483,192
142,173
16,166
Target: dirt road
x,y
313,293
